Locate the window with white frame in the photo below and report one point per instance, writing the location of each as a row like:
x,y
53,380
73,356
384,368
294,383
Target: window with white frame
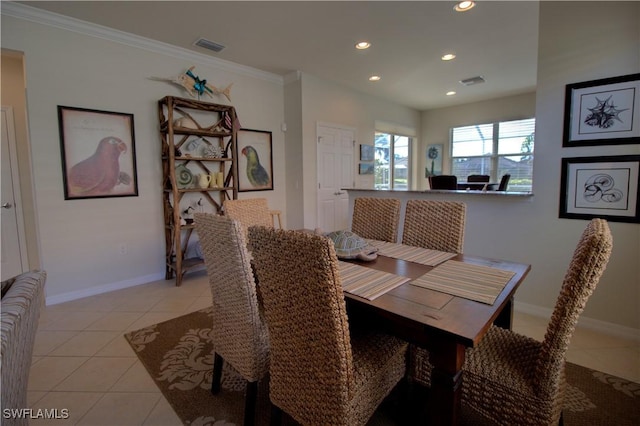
x,y
392,161
495,149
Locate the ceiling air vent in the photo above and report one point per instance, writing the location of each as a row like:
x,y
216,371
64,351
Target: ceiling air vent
x,y
473,80
208,44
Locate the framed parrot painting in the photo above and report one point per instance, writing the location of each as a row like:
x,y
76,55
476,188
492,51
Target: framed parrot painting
x,y
98,153
254,165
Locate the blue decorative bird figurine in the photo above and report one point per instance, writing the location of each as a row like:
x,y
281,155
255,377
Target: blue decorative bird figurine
x,y
195,85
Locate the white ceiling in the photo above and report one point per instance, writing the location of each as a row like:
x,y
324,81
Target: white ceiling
x,y
497,40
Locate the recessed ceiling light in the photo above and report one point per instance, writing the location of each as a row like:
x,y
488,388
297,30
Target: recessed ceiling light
x,y
374,78
463,6
361,45
448,57
451,93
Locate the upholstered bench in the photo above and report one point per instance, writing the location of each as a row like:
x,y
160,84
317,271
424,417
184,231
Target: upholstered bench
x,y
22,301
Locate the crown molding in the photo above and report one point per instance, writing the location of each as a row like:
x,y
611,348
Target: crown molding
x,y
51,19
292,77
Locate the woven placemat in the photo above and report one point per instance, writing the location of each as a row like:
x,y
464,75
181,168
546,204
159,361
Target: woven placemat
x,y
411,254
473,282
366,282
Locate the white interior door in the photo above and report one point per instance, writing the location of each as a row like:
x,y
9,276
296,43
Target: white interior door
x,y
13,249
335,173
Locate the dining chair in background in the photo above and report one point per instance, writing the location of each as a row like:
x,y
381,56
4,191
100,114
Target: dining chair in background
x,y
252,211
376,218
435,225
239,332
449,182
514,379
502,186
321,372
478,178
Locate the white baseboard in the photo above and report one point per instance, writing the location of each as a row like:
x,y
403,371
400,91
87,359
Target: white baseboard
x,y
93,291
584,322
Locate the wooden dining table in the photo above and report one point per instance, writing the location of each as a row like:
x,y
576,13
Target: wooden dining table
x,y
444,324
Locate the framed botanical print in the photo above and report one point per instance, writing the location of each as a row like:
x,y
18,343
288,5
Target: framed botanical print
x,y
434,160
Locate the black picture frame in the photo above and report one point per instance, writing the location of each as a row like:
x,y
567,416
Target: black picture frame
x,y
98,153
367,152
604,187
602,112
366,169
254,165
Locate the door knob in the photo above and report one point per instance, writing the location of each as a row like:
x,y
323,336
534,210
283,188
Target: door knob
x,y
6,205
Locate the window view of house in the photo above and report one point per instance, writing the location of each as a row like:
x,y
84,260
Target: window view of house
x,y
392,161
495,149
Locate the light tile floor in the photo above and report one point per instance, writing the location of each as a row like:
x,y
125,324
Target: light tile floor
x,y
83,363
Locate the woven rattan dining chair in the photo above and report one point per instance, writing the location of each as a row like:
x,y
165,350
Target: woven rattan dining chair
x,y
513,379
20,308
321,373
478,178
502,186
252,211
510,378
239,332
449,182
376,218
435,225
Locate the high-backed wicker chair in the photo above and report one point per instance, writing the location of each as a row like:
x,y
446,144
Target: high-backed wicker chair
x,y
435,225
449,182
239,333
252,211
514,379
376,218
22,301
510,378
320,373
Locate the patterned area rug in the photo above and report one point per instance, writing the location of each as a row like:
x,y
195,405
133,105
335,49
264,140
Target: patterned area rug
x,y
178,356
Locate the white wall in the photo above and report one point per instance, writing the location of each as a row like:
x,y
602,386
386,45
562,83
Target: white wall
x,y
528,229
593,41
80,238
326,102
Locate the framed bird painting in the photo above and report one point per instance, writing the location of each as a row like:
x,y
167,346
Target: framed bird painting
x,y
254,165
98,153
